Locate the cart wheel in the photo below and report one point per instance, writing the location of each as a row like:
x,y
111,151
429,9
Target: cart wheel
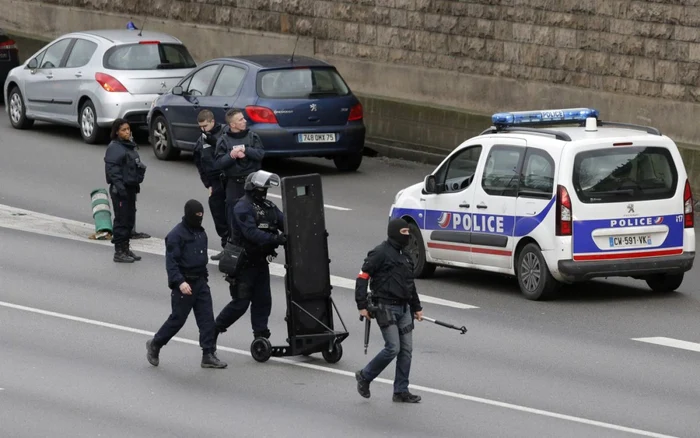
x,y
334,355
261,349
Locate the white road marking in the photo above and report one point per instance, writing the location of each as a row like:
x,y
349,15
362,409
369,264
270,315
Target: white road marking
x,y
451,394
332,207
39,223
670,342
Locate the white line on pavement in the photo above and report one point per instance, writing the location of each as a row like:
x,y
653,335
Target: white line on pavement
x,y
332,207
670,342
352,374
39,223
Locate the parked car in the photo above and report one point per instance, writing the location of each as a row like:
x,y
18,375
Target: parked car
x,y
300,107
9,57
89,79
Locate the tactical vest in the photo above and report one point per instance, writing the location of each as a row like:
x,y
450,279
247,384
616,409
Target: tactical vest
x,y
266,216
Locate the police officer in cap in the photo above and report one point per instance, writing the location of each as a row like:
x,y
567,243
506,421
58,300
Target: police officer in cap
x,y
257,225
186,263
394,293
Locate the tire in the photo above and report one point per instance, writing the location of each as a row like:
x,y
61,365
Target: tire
x,y
665,282
162,140
89,130
334,355
348,162
534,278
18,112
261,349
416,249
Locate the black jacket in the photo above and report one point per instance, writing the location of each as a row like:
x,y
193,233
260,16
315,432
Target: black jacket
x,y
239,167
185,253
123,167
204,155
389,272
256,227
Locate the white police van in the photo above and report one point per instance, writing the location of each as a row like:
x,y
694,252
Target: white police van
x,y
596,199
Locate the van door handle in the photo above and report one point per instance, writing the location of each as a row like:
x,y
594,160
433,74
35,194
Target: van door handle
x,y
79,75
482,206
464,205
49,76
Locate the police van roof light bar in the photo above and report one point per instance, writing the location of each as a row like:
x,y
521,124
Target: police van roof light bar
x,y
543,117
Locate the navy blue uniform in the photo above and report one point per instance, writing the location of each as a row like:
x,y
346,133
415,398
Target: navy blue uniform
x,y
186,261
256,226
213,178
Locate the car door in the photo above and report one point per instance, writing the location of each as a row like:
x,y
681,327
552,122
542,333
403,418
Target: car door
x,y
225,92
40,88
182,110
447,231
71,79
535,196
494,200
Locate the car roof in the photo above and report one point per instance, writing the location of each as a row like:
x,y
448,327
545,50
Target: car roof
x,y
126,36
278,61
579,134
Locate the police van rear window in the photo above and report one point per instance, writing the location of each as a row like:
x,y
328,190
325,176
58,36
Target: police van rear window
x,y
624,174
148,56
301,83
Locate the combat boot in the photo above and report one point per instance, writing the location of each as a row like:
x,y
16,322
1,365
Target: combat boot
x,y
262,334
362,385
209,360
121,255
218,256
131,253
406,397
152,352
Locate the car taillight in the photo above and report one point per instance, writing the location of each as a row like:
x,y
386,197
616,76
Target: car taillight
x,y
260,114
564,213
109,83
688,206
355,113
9,44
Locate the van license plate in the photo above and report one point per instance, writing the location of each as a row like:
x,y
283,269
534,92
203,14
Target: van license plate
x,y
624,241
316,138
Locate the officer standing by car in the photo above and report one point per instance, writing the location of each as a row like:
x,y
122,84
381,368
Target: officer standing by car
x,y
239,152
257,225
186,264
212,177
124,173
396,303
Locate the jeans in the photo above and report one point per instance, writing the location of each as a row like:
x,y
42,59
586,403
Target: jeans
x,y
396,346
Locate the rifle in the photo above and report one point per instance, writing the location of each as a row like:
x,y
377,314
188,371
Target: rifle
x,y
371,309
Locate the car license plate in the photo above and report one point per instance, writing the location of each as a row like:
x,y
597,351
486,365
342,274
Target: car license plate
x,y
625,241
4,55
316,138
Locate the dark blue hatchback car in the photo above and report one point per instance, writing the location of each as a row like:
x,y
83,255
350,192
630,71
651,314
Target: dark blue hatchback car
x,y
300,107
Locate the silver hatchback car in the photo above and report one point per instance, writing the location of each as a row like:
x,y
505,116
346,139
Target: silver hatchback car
x,y
89,79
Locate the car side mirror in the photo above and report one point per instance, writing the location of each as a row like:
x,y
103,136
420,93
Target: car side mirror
x,y
430,184
33,64
177,90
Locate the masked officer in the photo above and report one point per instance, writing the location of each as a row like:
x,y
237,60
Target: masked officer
x,y
186,263
394,293
211,176
239,152
257,223
124,173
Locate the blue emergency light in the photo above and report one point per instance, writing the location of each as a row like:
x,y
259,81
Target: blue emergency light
x,y
544,117
131,26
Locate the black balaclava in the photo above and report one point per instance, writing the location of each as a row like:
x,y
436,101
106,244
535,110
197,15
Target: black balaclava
x,y
192,207
259,193
394,232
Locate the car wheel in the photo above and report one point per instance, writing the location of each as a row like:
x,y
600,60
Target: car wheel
x,y
348,162
162,141
18,113
665,282
416,250
89,130
534,278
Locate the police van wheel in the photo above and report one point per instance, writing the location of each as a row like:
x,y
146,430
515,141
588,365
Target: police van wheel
x,y
665,282
261,349
162,140
534,278
334,355
416,249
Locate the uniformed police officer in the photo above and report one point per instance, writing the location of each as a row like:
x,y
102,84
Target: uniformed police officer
x,y
257,226
186,263
124,173
211,176
239,152
394,294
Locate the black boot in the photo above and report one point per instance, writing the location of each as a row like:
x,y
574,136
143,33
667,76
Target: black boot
x,y
152,352
262,334
121,255
406,397
218,256
209,360
131,254
362,385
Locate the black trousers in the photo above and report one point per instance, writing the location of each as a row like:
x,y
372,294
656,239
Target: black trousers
x,y
124,216
234,192
217,206
200,301
251,287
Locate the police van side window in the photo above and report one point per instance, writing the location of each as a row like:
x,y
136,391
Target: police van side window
x,y
459,171
501,171
537,176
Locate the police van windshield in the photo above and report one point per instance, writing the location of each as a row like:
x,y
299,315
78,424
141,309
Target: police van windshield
x,y
624,174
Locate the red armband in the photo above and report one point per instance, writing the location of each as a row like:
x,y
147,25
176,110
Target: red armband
x,y
363,275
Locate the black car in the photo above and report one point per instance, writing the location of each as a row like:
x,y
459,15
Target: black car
x,y
9,57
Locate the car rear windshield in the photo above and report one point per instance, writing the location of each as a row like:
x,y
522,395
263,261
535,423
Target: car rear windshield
x,y
148,56
301,83
624,174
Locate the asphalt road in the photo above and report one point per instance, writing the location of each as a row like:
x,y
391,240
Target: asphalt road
x,y
73,327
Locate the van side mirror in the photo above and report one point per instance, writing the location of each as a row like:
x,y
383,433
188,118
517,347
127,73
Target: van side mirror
x,y
33,64
177,90
430,184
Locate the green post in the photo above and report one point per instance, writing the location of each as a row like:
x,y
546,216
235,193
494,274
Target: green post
x,y
101,212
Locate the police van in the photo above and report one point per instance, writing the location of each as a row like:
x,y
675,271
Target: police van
x,y
553,204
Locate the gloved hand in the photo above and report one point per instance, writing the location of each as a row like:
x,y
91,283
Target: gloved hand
x,y
281,239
